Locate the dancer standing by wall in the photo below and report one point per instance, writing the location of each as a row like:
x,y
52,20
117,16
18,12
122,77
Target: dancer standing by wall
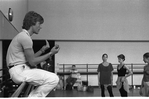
x,y
105,76
122,82
145,80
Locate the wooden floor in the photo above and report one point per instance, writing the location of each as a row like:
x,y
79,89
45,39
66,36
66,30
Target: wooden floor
x,y
75,93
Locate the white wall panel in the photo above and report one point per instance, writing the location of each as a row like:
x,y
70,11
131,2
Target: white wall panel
x,y
91,52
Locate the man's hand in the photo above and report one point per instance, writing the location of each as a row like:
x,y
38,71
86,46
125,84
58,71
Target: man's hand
x,y
45,47
55,49
47,44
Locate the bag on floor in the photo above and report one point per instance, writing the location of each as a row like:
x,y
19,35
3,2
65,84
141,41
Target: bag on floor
x,y
90,89
80,87
84,88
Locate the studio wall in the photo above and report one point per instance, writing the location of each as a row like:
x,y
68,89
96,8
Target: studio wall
x,y
93,19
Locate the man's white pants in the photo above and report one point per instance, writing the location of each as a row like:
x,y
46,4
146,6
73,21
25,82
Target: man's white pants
x,y
44,80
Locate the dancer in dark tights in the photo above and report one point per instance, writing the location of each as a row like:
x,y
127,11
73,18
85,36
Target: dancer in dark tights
x,y
123,73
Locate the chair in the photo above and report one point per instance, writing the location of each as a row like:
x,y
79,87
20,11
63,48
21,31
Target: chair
x,y
20,89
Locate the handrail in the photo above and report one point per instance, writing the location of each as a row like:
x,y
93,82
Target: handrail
x,y
87,67
8,21
8,30
21,88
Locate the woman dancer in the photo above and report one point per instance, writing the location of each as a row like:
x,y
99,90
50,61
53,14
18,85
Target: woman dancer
x,y
122,82
105,76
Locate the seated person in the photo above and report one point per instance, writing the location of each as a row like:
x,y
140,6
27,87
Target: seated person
x,y
74,76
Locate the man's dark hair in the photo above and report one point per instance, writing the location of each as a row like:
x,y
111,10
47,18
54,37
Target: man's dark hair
x,y
30,19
